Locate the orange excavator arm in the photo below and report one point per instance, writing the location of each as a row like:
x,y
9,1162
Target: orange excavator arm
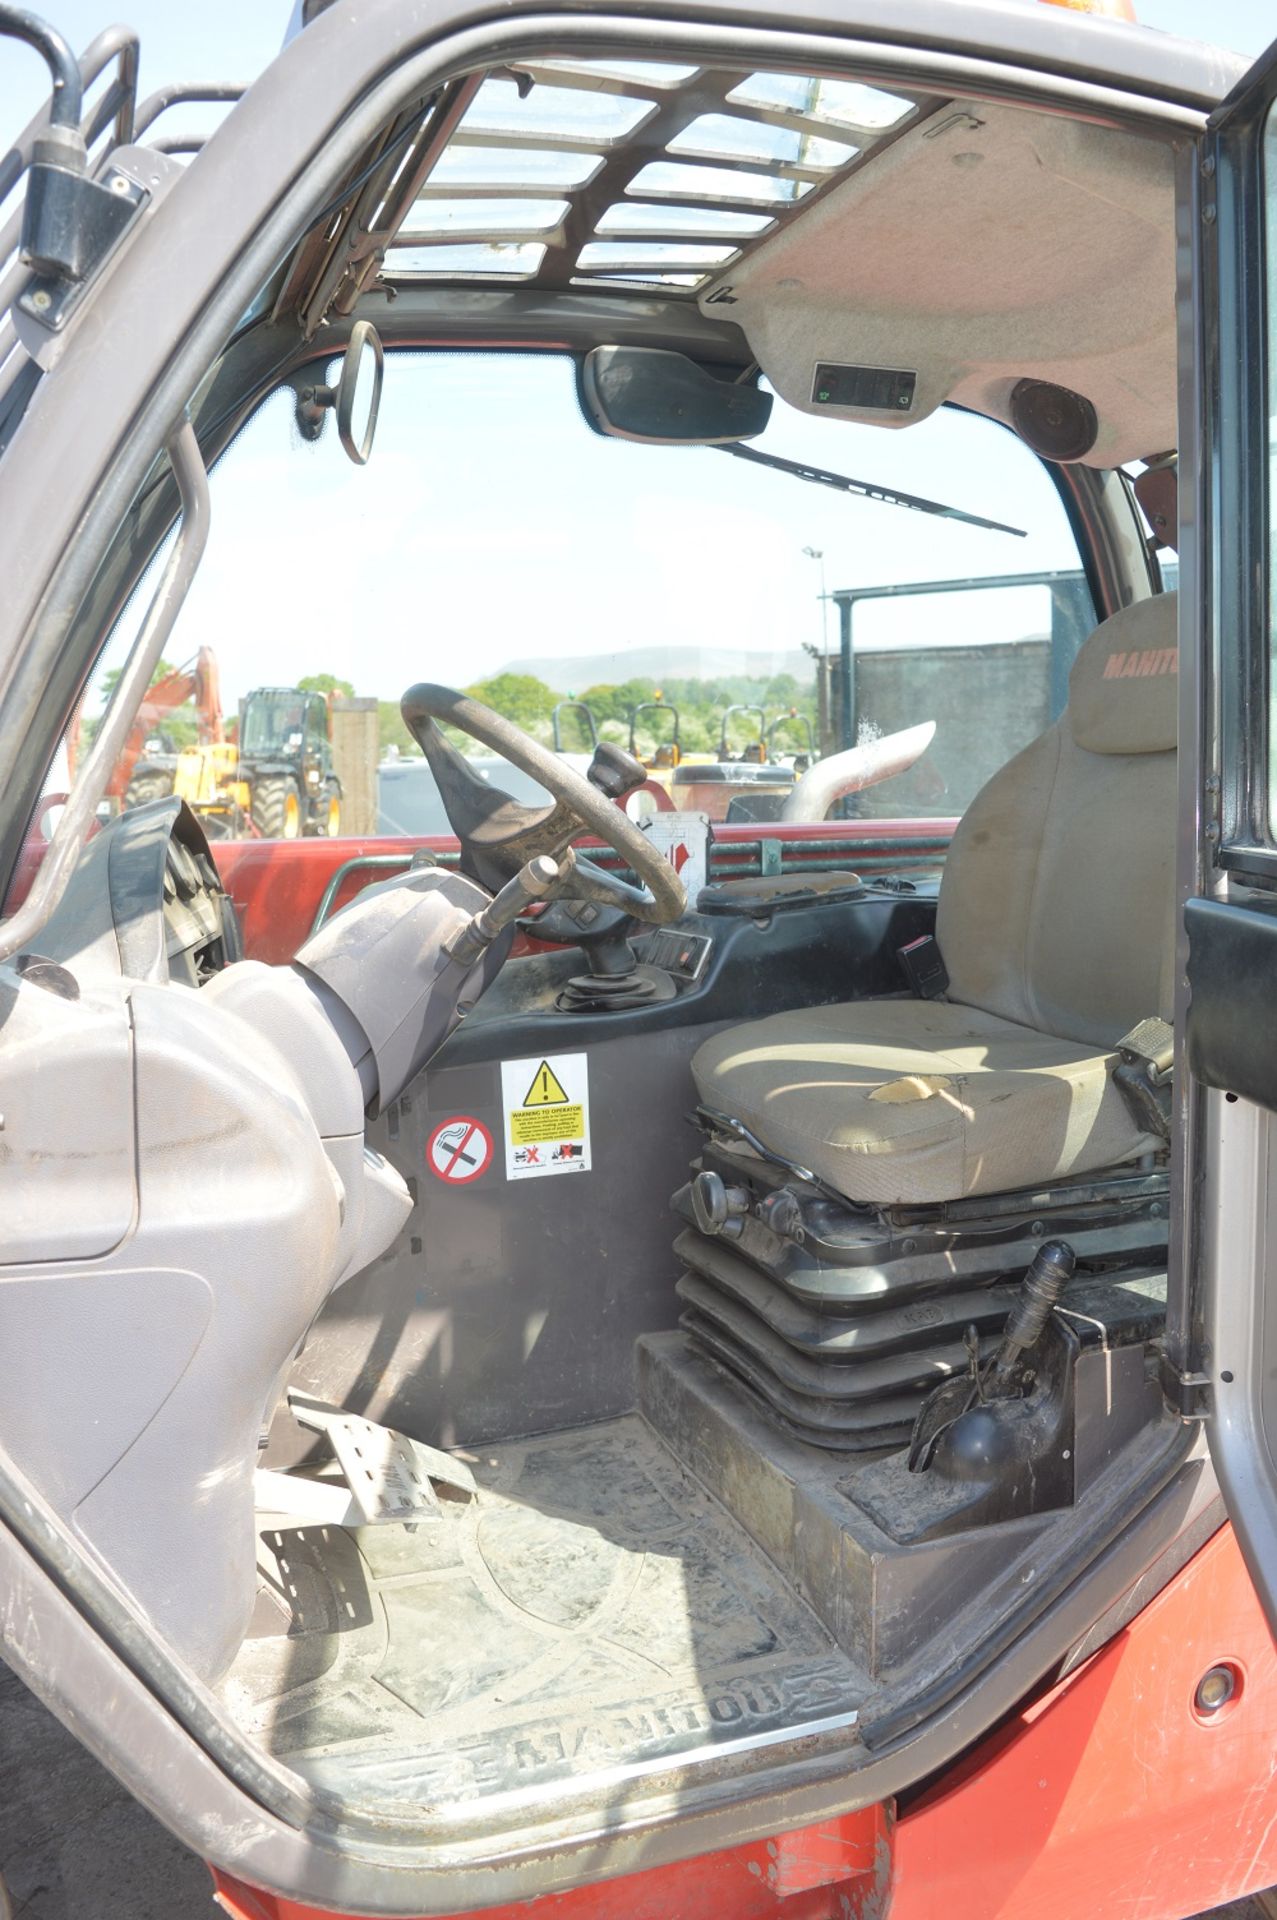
x,y
197,682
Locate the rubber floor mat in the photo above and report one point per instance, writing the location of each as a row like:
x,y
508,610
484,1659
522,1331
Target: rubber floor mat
x,y
590,1625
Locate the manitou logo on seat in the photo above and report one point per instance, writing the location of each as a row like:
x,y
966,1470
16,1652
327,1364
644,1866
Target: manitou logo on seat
x,y
1139,666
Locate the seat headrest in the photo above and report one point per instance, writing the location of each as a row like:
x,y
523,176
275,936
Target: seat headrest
x,y
1124,687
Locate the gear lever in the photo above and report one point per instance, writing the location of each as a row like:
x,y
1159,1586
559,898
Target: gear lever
x,y
615,978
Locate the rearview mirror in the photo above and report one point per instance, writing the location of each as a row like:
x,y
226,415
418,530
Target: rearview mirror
x,y
356,397
359,391
666,400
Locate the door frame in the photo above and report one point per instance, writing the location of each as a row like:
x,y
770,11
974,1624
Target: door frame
x,y
94,428
1222,1331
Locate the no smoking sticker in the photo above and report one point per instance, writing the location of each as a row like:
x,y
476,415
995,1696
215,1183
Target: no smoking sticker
x,y
459,1150
545,1101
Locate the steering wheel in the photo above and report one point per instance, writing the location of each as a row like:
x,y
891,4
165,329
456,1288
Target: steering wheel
x,y
498,835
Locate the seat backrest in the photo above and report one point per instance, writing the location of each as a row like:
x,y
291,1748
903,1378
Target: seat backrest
x,y
1057,907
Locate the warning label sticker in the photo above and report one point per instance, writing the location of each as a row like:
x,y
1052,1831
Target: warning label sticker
x,y
546,1104
530,1124
546,1089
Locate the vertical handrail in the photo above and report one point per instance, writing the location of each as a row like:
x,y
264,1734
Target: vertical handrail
x,y
66,100
115,43
135,677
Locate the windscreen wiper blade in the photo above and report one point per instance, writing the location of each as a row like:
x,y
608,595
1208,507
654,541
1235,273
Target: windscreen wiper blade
x,y
868,489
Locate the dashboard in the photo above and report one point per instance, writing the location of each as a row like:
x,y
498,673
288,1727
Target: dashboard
x,y
146,901
201,935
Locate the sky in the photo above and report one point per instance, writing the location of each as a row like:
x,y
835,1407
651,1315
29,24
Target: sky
x,y
511,543
233,40
492,527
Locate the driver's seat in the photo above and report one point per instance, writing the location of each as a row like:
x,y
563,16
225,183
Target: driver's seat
x,y
1056,924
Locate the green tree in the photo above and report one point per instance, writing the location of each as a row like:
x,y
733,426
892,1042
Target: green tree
x,y
612,706
701,703
176,729
519,697
391,731
111,679
326,683
602,702
785,691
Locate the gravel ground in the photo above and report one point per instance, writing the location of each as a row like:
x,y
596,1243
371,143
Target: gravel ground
x,y
75,1846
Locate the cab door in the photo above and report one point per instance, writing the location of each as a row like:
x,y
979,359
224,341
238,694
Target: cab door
x,y
1222,1338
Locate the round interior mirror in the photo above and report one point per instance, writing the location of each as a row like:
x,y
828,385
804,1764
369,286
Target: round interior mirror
x,y
359,391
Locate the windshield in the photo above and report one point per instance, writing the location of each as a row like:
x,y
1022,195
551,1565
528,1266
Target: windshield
x,y
730,623
272,724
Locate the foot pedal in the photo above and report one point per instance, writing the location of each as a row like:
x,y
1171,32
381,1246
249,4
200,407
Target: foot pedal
x,y
387,1476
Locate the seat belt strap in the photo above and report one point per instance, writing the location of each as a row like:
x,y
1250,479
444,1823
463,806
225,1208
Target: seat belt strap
x,y
1142,1074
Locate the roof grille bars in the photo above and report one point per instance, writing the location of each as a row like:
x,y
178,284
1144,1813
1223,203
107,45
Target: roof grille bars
x,y
346,245
601,149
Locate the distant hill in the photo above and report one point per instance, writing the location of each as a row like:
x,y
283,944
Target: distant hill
x,y
658,663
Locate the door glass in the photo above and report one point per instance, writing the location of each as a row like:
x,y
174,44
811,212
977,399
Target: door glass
x,y
986,660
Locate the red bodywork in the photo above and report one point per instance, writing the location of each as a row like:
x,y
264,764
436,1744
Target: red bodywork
x,y
277,885
1107,1794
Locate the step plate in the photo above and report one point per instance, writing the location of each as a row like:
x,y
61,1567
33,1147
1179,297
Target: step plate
x,y
388,1474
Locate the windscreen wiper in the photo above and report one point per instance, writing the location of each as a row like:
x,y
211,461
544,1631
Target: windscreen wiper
x,y
867,489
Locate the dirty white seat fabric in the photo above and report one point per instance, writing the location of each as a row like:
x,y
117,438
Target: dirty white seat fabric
x,y
1056,922
898,1101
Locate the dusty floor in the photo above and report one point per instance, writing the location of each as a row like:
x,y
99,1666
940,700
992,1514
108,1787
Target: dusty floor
x,y
75,1846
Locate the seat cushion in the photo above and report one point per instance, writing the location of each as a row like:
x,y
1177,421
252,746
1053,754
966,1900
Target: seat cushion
x,y
915,1101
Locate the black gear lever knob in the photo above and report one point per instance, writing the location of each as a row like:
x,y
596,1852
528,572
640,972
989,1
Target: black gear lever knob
x,y
719,1208
614,771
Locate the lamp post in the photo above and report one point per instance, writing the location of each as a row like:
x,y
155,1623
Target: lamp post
x,y
823,716
818,554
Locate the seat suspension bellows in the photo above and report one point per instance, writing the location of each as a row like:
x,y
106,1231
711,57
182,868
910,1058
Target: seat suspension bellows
x,y
841,1320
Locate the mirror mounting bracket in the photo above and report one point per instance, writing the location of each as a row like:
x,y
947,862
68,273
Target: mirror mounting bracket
x,y
314,403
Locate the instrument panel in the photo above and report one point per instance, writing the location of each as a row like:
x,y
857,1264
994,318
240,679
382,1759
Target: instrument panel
x,y
201,934
146,901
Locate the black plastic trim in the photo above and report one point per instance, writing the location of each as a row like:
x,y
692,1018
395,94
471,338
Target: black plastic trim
x,y
1232,967
1233,249
831,951
882,1729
